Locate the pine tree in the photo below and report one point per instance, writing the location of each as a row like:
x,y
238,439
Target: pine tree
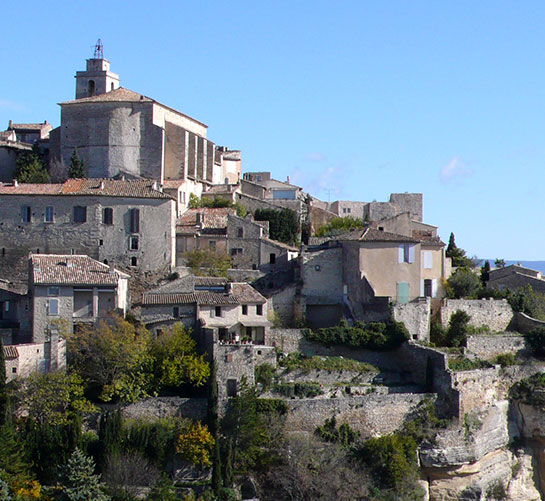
x,y
79,482
77,168
30,169
485,272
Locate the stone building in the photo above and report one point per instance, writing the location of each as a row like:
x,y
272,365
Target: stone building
x,y
77,289
229,310
15,319
10,149
515,276
359,273
30,133
243,239
127,223
121,132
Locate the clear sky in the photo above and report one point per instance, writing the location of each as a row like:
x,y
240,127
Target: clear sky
x,y
351,99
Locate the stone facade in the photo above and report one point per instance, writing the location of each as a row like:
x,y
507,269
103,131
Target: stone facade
x,y
515,277
49,225
237,362
495,314
416,317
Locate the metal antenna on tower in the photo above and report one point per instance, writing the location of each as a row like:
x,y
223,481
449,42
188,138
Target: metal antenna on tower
x,y
329,190
99,53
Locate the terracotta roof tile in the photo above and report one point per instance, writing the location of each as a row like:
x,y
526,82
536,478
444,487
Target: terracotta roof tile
x,y
72,270
209,217
11,352
135,188
373,235
245,293
199,297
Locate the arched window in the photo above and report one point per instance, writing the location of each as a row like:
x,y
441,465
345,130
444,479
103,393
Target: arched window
x,y
91,88
112,86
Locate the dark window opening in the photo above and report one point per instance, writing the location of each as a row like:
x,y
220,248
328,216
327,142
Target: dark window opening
x,y
259,309
108,216
231,387
272,258
80,214
101,242
26,214
217,311
176,311
245,309
135,220
134,261
105,261
427,288
240,232
91,87
133,243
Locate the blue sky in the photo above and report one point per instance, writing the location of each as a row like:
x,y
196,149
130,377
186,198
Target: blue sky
x,y
351,99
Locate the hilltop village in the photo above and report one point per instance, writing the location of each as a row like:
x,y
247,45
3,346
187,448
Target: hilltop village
x,y
237,306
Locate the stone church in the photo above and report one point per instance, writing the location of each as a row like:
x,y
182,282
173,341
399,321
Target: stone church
x,y
119,132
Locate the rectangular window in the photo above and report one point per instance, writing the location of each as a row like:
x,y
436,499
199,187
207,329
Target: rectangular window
x,y
80,214
240,232
6,306
406,253
133,243
212,245
52,307
53,291
259,309
231,387
176,312
134,261
107,215
135,220
48,215
26,214
272,258
427,288
245,309
217,311
428,260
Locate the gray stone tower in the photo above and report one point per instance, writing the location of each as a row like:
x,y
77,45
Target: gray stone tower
x,y
97,78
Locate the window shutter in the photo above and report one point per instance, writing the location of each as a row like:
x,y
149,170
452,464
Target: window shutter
x,y
401,253
422,288
411,253
434,288
428,259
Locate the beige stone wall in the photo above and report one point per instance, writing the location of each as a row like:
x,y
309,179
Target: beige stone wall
x,y
488,347
322,274
379,263
495,314
416,317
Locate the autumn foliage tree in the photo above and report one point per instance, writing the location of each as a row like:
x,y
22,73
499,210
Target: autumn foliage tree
x,y
195,444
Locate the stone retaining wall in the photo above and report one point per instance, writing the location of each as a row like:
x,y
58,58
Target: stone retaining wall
x,y
493,313
526,324
163,407
370,414
489,346
416,317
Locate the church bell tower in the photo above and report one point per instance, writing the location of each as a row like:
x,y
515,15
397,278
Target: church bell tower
x,y
97,78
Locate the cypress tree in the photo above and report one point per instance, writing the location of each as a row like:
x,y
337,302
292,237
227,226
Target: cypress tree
x,y
228,475
216,470
213,403
77,168
3,385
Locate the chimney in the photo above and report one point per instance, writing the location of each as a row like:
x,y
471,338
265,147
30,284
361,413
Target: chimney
x,y
15,183
101,185
288,180
10,124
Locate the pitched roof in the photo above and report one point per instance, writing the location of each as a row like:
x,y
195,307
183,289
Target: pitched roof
x,y
211,281
372,235
11,352
123,95
281,244
134,188
30,126
245,293
198,297
72,270
209,217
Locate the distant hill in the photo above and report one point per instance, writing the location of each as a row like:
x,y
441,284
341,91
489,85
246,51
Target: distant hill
x,y
534,265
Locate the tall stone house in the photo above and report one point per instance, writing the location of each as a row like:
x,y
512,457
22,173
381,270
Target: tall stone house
x,y
130,224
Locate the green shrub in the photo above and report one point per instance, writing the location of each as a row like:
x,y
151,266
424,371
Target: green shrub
x,y
339,225
536,340
465,364
301,390
377,336
530,391
297,361
505,359
283,224
264,375
277,405
344,435
463,283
